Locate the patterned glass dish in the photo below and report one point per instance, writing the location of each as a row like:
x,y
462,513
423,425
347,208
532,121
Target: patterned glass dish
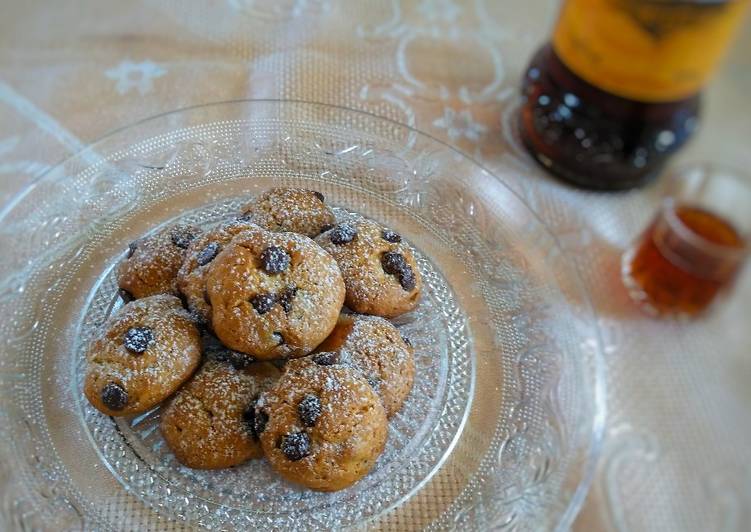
x,y
501,430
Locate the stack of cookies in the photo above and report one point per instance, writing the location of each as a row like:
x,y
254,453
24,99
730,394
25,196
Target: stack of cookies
x,y
241,330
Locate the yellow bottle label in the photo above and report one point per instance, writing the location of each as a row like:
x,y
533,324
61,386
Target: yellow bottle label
x,y
646,50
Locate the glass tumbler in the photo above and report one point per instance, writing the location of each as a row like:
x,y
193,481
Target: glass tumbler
x,y
695,247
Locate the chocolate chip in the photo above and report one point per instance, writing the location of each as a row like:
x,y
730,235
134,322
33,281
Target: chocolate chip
x,y
393,263
240,360
318,195
138,339
198,319
286,297
126,296
326,227
217,352
275,259
132,247
259,421
249,419
211,343
182,236
343,234
374,381
407,340
391,236
407,279
208,253
279,338
309,409
295,446
114,396
280,363
325,359
255,419
222,354
263,302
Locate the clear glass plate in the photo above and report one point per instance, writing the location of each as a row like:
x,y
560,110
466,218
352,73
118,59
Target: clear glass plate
x,y
501,430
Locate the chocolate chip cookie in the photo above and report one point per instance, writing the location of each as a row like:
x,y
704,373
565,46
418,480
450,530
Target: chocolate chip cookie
x,y
379,268
152,263
376,348
321,426
295,210
274,295
143,354
191,279
210,422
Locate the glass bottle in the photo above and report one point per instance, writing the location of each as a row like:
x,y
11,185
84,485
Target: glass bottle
x,y
617,90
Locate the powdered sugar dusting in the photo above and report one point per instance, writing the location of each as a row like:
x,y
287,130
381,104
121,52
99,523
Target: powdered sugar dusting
x,y
153,262
376,349
345,439
369,288
295,210
331,384
152,375
238,275
204,423
191,278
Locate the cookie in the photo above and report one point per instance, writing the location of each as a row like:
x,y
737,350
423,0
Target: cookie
x,y
321,426
143,354
274,295
376,348
378,267
209,423
295,210
191,279
152,263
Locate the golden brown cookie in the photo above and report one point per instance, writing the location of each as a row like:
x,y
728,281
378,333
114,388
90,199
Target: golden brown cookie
x,y
321,426
379,268
191,279
274,295
143,354
209,423
296,210
374,347
152,263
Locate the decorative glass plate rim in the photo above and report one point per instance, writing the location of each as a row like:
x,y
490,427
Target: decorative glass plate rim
x,y
598,387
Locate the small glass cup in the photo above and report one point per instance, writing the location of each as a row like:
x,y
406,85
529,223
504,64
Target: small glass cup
x,y
694,249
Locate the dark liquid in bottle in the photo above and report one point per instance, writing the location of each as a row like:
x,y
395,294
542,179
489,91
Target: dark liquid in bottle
x,y
592,138
671,274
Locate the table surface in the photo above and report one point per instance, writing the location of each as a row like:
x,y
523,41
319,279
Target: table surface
x,y
678,437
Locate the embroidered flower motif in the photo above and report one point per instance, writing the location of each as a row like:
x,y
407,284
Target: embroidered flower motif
x,y
139,76
435,10
460,124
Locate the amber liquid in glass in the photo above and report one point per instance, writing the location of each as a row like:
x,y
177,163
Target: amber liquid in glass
x,y
675,276
595,139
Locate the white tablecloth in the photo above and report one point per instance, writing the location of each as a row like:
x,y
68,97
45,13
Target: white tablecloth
x,y
678,441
